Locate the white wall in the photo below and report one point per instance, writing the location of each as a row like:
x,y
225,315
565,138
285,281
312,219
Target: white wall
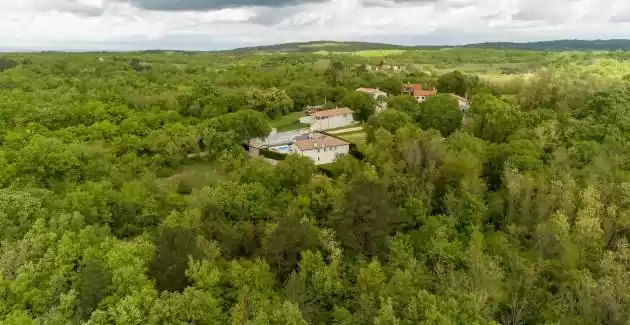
x,y
278,138
332,122
323,155
463,105
307,120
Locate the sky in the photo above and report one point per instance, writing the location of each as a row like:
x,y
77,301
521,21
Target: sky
x,y
224,24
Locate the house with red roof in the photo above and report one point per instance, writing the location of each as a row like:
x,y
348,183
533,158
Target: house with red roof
x,y
322,149
416,91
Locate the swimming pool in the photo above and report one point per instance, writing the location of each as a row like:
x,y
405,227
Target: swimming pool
x,y
284,148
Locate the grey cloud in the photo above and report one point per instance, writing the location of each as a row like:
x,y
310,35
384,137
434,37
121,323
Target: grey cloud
x,y
623,17
442,3
73,6
272,16
394,3
545,10
205,5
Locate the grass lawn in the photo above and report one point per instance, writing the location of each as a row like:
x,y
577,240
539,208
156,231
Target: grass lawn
x,y
354,137
340,129
289,122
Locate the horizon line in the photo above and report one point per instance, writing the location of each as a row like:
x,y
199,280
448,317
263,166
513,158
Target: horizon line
x,y
26,49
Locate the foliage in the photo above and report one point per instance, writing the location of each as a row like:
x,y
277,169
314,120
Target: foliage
x,y
173,249
362,104
454,82
440,112
6,64
273,102
127,197
390,120
404,103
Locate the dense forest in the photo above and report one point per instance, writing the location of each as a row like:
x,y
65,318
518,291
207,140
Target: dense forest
x,y
127,198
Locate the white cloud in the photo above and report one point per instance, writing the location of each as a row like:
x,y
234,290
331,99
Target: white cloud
x,y
107,24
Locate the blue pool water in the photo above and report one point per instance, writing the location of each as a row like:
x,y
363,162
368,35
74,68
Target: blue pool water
x,y
283,149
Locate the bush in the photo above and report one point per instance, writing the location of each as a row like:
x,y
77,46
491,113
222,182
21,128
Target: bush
x,y
272,154
6,64
184,188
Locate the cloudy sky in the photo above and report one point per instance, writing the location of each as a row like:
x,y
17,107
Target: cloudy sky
x,y
221,24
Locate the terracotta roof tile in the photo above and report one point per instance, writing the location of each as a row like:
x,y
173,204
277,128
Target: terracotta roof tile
x,y
416,90
320,141
423,92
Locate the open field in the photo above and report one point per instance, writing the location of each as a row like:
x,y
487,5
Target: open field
x,y
355,137
378,53
354,134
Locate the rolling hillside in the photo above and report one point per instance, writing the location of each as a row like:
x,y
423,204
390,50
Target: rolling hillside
x,y
332,46
318,46
560,45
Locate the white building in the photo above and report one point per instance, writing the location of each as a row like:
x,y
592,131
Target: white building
x,y
376,93
416,91
322,149
330,119
462,102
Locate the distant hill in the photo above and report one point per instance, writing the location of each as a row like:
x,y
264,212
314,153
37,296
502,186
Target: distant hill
x,y
317,46
560,45
333,46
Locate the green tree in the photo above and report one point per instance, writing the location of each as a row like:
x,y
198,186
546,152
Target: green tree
x,y
303,95
363,218
334,72
362,104
293,172
245,124
174,247
492,119
440,112
273,101
93,284
404,103
390,120
454,82
6,64
282,247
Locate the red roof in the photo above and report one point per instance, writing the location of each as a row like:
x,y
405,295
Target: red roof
x,y
320,141
423,92
416,90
